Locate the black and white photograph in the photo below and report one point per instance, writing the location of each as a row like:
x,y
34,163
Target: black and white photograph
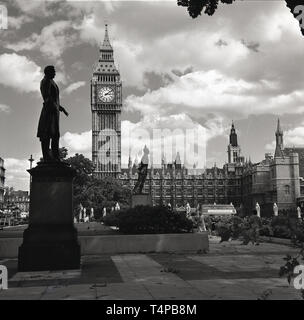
x,y
151,153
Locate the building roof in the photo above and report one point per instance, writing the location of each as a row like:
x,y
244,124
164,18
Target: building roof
x,y
218,209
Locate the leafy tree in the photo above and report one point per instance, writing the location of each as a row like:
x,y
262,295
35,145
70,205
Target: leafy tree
x,y
84,169
63,153
95,193
196,7
100,193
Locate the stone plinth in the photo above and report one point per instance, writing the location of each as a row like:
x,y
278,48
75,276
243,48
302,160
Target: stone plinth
x,y
50,241
141,200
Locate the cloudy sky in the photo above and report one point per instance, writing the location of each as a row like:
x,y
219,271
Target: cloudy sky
x,y
242,64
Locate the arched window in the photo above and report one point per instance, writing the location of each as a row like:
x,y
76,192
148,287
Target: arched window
x,y
287,189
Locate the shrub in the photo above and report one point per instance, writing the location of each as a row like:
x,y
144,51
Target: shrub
x,y
266,229
111,218
234,227
145,219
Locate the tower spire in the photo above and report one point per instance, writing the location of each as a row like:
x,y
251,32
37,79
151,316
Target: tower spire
x,y
106,45
233,136
234,150
279,141
130,159
279,130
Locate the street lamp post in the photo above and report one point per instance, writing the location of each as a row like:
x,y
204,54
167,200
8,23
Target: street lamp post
x,y
31,164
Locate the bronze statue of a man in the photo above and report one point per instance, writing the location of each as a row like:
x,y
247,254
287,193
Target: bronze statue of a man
x,y
142,172
48,127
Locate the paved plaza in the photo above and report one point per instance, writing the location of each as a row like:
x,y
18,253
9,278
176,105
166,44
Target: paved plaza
x,y
229,271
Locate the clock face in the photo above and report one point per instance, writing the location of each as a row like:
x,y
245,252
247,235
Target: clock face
x,y
106,94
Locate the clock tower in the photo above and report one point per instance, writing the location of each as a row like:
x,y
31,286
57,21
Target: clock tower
x,y
106,104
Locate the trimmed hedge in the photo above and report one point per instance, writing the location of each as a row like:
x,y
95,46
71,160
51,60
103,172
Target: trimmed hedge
x,y
149,220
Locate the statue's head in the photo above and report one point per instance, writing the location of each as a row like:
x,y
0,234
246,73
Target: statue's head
x,y
50,72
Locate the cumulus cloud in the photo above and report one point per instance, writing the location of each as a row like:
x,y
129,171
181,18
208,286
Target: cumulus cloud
x,y
53,40
16,175
4,108
165,136
215,92
19,72
18,22
32,6
253,46
74,86
78,143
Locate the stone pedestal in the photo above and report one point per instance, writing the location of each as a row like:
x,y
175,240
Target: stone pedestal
x,y
141,200
50,241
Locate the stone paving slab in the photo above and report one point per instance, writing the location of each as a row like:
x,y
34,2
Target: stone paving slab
x,y
23,293
147,272
221,267
246,289
229,271
123,291
70,292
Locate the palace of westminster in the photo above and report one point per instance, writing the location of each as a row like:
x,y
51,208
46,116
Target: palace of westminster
x,y
276,179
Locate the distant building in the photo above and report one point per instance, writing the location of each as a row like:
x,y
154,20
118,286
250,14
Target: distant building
x,y
2,180
276,179
177,185
16,199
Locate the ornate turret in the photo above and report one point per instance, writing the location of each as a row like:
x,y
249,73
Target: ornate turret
x,y
279,141
233,136
234,150
178,162
163,161
130,161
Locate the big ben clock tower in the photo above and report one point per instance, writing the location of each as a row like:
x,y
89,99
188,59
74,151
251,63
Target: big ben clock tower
x,y
106,103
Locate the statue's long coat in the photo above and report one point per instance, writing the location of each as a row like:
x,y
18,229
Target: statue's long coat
x,y
48,126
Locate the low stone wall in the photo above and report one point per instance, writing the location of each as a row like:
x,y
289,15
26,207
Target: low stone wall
x,y
9,247
107,244
275,240
188,242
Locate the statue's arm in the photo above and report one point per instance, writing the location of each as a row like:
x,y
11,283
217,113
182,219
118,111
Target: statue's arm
x,y
62,109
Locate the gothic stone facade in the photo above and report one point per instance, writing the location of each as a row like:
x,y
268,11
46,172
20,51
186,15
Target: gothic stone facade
x,y
276,179
178,186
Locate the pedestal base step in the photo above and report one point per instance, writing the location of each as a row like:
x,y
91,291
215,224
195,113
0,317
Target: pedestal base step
x,y
52,256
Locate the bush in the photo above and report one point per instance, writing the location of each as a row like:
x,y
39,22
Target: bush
x,y
145,219
228,227
283,226
111,218
266,229
234,227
